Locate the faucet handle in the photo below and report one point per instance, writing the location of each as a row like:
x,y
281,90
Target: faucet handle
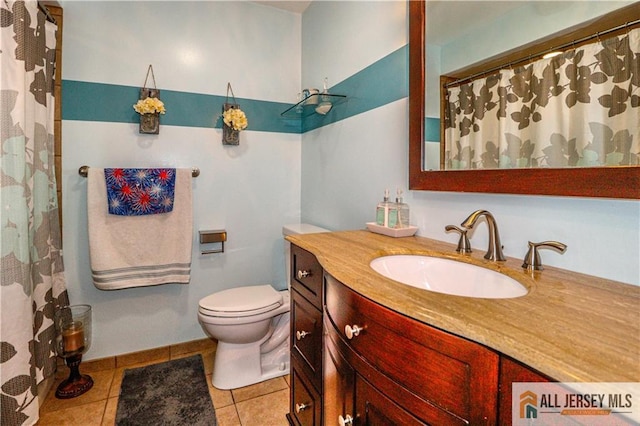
x,y
532,260
464,246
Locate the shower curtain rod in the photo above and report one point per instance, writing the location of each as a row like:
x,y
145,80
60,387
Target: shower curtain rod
x,y
84,171
46,12
530,57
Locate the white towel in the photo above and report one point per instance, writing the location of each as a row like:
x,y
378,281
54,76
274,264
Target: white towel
x,y
135,251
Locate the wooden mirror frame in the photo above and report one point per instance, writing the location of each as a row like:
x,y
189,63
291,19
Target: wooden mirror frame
x,y
606,182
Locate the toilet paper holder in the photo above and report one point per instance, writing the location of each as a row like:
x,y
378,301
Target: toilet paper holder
x,y
209,237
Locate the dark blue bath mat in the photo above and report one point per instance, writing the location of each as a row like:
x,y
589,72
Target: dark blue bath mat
x,y
170,393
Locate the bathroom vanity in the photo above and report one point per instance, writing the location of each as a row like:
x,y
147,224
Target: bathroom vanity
x,y
368,350
307,300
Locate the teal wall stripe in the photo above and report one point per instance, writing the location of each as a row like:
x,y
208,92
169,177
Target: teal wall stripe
x,y
183,108
431,129
98,102
382,82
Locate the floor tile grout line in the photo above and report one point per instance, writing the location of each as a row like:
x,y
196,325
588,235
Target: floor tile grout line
x,y
235,406
104,409
258,396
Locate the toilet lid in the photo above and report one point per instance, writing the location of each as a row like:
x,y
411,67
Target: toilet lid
x,y
251,300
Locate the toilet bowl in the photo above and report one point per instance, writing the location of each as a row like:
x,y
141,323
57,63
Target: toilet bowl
x,y
251,325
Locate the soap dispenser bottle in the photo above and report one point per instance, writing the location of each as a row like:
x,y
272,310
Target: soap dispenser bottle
x,y
382,211
402,211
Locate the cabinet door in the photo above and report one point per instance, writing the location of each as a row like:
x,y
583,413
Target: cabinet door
x,y
453,376
510,372
338,403
375,409
349,399
306,407
306,336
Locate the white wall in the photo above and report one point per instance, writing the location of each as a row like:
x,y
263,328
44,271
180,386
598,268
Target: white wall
x,y
342,167
251,190
194,46
335,177
519,26
347,166
334,45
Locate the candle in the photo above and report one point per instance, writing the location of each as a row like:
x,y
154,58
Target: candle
x,y
73,337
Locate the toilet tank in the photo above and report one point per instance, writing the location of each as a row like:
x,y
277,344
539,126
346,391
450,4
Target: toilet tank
x,y
296,229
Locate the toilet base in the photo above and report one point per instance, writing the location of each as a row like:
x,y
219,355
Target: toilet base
x,y
241,366
238,365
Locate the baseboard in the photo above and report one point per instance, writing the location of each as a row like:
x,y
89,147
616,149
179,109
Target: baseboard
x,y
160,354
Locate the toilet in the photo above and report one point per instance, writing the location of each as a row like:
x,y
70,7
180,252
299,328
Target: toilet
x,y
251,325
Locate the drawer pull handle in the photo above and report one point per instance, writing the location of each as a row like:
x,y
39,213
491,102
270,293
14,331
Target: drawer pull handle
x,y
302,334
303,274
346,420
352,331
301,407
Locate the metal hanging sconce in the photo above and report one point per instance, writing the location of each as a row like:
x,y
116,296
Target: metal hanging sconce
x,y
233,120
149,106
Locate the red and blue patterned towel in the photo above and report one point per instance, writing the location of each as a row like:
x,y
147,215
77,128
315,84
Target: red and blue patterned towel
x,y
135,192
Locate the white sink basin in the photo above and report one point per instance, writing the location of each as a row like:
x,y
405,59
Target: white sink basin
x,y
448,276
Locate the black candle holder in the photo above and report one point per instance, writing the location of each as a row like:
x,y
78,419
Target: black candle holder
x,y
73,326
76,384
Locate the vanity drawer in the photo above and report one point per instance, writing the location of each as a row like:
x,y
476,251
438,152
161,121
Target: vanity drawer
x,y
306,404
306,337
376,409
452,373
306,275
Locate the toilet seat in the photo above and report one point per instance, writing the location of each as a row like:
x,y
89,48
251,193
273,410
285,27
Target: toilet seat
x,y
241,301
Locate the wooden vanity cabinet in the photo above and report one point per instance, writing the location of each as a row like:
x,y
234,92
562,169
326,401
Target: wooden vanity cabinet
x,y
512,371
306,339
402,370
351,397
386,368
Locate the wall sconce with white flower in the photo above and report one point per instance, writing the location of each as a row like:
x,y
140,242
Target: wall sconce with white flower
x,y
149,106
234,120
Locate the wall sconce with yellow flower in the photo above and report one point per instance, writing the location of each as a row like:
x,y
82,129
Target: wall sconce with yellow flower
x,y
149,106
234,120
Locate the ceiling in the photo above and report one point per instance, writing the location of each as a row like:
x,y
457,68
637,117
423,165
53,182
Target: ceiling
x,y
296,6
466,14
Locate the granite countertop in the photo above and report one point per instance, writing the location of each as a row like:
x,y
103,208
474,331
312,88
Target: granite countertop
x,y
570,326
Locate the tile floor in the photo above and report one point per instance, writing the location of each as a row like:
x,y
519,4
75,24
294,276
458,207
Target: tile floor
x,y
263,404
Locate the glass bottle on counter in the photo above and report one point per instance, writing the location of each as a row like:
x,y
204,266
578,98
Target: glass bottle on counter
x,y
401,212
382,210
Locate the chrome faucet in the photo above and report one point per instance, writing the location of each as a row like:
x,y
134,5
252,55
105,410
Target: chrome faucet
x,y
494,252
532,260
463,243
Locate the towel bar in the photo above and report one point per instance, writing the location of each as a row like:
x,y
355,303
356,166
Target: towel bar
x,y
84,171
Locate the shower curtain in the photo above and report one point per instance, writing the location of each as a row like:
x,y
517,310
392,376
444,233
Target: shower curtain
x,y
32,279
578,109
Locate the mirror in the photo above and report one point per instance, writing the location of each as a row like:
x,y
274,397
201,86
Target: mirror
x,y
610,182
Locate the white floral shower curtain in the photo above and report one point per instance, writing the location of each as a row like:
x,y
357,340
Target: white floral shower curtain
x,y
579,109
32,280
